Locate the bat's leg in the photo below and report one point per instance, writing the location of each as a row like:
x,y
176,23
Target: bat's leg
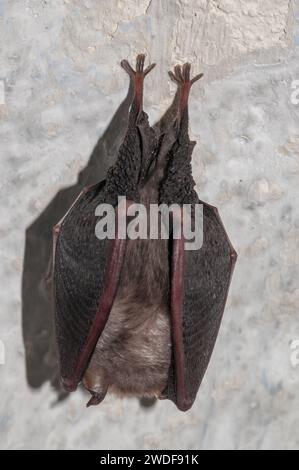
x,y
134,154
174,124
171,114
138,79
181,76
162,126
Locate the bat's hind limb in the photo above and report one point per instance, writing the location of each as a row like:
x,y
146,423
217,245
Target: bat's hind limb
x,y
181,76
137,76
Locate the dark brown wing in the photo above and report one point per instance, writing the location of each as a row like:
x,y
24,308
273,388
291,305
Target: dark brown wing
x,y
86,273
199,288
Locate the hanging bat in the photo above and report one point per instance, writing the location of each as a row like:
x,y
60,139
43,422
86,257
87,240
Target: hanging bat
x,y
140,317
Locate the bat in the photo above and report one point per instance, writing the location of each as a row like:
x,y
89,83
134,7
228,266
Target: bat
x,y
140,316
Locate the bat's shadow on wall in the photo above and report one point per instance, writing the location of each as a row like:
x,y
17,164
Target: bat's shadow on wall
x,y
37,297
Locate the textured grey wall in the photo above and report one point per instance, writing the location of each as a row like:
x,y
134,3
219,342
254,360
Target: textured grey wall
x,y
60,84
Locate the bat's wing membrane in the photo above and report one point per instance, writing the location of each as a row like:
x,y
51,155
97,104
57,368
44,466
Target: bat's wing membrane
x,y
86,272
200,283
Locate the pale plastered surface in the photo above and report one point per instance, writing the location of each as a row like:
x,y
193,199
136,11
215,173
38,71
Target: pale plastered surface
x,y
60,85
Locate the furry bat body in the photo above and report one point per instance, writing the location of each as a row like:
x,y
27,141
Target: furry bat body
x,y
140,317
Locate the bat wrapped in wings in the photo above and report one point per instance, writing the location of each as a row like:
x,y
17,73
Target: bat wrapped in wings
x,y
140,316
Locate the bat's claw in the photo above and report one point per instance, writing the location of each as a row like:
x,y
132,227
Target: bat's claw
x,y
140,71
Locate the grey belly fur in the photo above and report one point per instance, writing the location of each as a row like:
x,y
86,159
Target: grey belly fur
x,y
132,355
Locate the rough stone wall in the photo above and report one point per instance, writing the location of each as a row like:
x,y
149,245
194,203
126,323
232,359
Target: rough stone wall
x,y
60,84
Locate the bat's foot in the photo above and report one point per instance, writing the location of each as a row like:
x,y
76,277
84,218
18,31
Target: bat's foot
x,y
181,76
140,71
138,78
96,399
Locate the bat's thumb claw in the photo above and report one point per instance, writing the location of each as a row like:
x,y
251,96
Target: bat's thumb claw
x,y
94,400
